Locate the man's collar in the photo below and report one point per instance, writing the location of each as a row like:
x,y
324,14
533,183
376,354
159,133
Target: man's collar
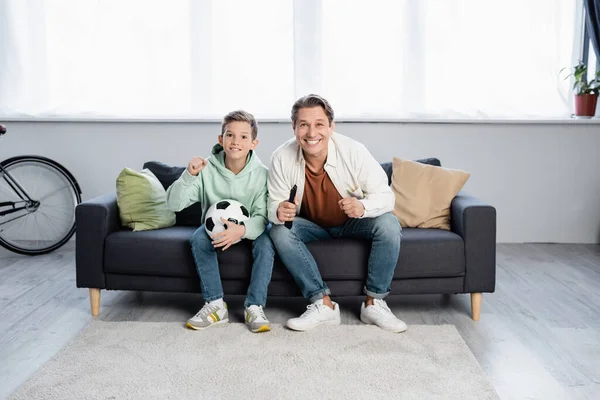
x,y
299,154
331,153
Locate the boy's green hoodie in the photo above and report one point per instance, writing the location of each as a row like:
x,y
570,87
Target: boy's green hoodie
x,y
215,182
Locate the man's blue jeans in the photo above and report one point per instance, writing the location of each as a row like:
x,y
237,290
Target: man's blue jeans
x,y
383,231
207,266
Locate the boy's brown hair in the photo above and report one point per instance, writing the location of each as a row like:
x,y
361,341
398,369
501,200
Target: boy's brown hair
x,y
241,116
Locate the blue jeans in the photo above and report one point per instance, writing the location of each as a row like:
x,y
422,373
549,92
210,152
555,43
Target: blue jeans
x,y
207,265
383,231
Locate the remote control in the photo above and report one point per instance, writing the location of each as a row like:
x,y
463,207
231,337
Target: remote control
x,y
288,224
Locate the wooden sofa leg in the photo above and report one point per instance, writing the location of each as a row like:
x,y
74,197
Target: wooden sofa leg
x,y
475,306
95,301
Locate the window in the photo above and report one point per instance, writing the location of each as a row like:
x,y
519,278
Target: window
x,y
589,55
146,59
204,58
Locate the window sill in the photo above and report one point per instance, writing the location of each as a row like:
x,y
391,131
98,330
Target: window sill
x,y
459,121
557,121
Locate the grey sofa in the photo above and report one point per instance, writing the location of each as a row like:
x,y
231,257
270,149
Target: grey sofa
x,y
431,261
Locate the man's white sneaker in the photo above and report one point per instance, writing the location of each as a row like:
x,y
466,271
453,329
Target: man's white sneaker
x,y
380,314
316,314
256,319
209,315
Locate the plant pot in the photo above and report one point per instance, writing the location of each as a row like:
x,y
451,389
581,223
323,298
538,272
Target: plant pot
x,y
585,105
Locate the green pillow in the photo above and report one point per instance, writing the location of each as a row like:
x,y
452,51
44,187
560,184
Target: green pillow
x,y
142,201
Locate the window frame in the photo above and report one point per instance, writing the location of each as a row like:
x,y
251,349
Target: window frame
x,y
587,47
307,19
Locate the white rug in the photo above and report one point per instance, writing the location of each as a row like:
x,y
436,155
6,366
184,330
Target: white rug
x,y
164,360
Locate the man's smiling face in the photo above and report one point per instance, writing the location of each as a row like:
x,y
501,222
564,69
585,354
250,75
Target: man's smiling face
x,y
312,132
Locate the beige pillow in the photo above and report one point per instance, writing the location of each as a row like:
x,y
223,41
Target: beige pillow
x,y
424,193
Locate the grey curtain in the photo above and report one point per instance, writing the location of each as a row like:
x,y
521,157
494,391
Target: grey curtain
x,y
592,9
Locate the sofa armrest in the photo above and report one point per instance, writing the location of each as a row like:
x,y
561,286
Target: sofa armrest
x,y
475,222
95,219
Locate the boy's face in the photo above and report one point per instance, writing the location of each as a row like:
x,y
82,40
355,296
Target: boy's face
x,y
237,140
312,131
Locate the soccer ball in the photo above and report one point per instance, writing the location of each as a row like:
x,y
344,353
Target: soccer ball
x,y
230,210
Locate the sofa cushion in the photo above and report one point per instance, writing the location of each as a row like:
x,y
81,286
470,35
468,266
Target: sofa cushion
x,y
430,253
424,193
388,166
424,253
168,253
142,201
167,174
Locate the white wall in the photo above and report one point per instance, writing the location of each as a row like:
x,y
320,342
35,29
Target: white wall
x,y
542,178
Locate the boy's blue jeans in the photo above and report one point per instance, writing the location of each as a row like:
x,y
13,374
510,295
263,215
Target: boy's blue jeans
x,y
383,231
207,265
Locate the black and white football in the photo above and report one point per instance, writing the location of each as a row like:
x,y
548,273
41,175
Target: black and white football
x,y
230,210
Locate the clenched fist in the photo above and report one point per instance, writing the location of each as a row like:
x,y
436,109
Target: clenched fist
x,y
196,165
352,207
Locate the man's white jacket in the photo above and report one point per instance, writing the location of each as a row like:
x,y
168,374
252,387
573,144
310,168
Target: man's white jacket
x,y
350,166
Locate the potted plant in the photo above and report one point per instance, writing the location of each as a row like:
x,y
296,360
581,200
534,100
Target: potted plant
x,y
586,92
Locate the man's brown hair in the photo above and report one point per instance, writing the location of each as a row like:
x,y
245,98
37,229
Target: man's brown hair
x,y
310,101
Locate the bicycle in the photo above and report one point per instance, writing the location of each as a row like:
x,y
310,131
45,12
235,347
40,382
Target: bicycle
x,y
38,197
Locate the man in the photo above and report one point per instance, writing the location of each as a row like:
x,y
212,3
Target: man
x,y
342,191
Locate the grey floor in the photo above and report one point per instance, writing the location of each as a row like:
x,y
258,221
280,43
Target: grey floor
x,y
538,337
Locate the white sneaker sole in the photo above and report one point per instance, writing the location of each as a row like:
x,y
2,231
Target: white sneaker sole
x,y
294,327
201,328
394,330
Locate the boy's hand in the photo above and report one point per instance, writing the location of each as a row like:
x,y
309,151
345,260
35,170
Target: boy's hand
x,y
196,165
352,207
286,210
229,236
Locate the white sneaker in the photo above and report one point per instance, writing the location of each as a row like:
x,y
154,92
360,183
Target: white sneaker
x,y
209,315
256,319
380,314
316,314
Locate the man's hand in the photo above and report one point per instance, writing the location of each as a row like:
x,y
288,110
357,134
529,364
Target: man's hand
x,y
196,165
286,210
229,236
352,207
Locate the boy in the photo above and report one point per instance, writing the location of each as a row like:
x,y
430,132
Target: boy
x,y
235,172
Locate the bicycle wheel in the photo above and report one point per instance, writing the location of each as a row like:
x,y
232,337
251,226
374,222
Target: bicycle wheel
x,y
48,221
